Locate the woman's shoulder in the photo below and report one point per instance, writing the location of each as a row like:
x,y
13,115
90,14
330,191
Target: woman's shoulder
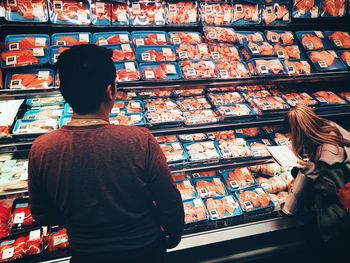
x,y
330,154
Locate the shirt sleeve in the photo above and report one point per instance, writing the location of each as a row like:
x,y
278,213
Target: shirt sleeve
x,y
43,211
165,194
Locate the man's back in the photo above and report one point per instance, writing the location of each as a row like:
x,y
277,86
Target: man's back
x,y
102,180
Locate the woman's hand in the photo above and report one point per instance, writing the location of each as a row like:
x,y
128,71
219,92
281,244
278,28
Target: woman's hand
x,y
301,164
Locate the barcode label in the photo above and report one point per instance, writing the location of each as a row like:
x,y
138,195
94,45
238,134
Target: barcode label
x,y
102,42
176,40
234,184
16,84
214,213
263,69
130,66
283,142
43,75
191,72
121,17
152,109
139,42
215,55
183,55
146,56
57,6
38,52
322,64
149,74
309,45
161,38
254,49
280,53
14,46
136,9
224,73
203,192
84,38
274,38
248,205
100,7
11,60
239,8
124,38
172,9
295,101
226,153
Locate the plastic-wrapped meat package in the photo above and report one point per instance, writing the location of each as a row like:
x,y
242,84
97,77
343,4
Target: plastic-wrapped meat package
x,y
111,38
127,71
27,41
169,138
155,93
276,184
26,10
195,137
122,52
297,67
35,126
220,34
276,14
173,152
33,79
25,57
224,52
333,8
200,117
231,70
100,13
244,36
280,37
164,117
192,51
327,60
283,139
149,38
345,57
185,38
21,215
70,39
218,99
123,95
58,240
220,208
306,8
155,53
150,13
120,14
248,132
160,71
251,95
180,13
234,148
313,40
271,169
187,92
288,52
210,187
339,39
345,95
193,103
194,211
235,111
198,69
69,12
186,189
204,174
259,49
136,119
328,97
252,200
268,67
160,104
12,249
216,14
294,98
43,114
134,106
246,14
238,178
221,135
258,147
270,103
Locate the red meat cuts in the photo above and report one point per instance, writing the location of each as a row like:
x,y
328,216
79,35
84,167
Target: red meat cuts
x,y
334,7
246,12
303,6
27,8
58,240
70,10
326,56
297,67
311,42
340,39
17,58
21,216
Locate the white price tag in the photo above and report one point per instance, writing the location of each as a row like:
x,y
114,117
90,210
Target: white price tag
x,y
338,42
195,37
187,184
11,60
158,17
280,53
203,191
35,234
172,9
226,152
197,203
57,240
139,42
283,142
136,9
149,74
214,213
55,57
259,191
239,8
291,69
130,66
212,35
43,75
215,55
170,69
192,16
84,38
82,17
57,6
176,40
248,205
322,64
229,199
217,181
40,42
255,49
12,2
38,52
191,72
309,45
125,47
319,34
155,117
274,38
202,48
135,118
228,17
224,73
38,10
263,69
234,184
167,52
348,62
269,10
18,218
209,64
115,111
60,43
8,253
161,38
124,38
183,54
14,46
16,84
135,105
121,17
100,7
208,9
146,56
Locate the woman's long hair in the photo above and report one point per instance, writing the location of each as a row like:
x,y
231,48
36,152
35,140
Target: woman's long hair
x,y
308,131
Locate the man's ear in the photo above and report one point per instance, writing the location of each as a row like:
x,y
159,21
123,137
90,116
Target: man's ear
x,y
110,93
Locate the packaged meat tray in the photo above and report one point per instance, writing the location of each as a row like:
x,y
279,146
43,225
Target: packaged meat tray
x,y
122,52
220,34
333,8
255,199
127,71
276,184
26,11
210,187
160,104
280,37
192,51
14,177
276,14
164,117
249,133
155,53
283,139
225,98
124,95
249,36
251,88
131,106
30,79
223,207
55,52
43,114
20,216
202,152
238,179
294,98
57,101
195,211
160,71
24,57
251,95
173,152
246,13
193,103
220,135
259,49
234,149
198,69
326,60
26,41
216,14
155,93
128,119
186,189
288,52
148,13
58,239
180,37
306,9
239,111
221,89
100,13
298,67
169,138
149,38
195,137
258,147
35,126
187,92
345,95
267,67
345,57
231,70
328,98
120,14
270,104
118,106
182,13
69,12
204,174
200,117
313,40
339,39
111,38
224,52
71,39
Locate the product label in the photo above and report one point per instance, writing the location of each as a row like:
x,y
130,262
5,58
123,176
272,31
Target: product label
x,y
202,48
192,17
57,240
151,109
35,234
187,184
55,57
259,191
139,42
115,122
269,10
197,203
176,40
43,75
60,43
215,55
125,47
14,46
121,17
234,184
226,153
135,105
40,42
146,56
217,181
195,37
8,253
11,2
100,7
348,62
229,199
183,55
255,49
228,17
208,9
84,38
18,218
202,191
136,9
170,69
263,69
11,60
291,69
280,53
57,6
149,74
309,45
16,84
38,10
124,38
209,64
319,34
283,142
224,73
172,9
135,118
158,16
239,8
82,17
167,52
38,52
248,205
338,42
191,72
293,100
322,64
176,146
161,38
130,66
274,38
212,35
214,213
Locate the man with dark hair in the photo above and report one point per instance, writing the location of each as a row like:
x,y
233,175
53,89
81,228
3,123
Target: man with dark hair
x,y
109,185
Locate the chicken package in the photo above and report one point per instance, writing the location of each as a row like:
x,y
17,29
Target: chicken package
x,y
184,37
288,52
259,49
248,133
225,98
134,106
55,52
306,8
271,169
267,67
24,57
223,207
220,34
221,89
195,137
246,13
254,199
76,12
328,98
345,95
198,69
294,98
122,52
326,60
164,117
258,147
200,117
249,36
252,88
240,111
276,184
313,40
252,95
160,104
231,70
168,138
111,38
193,103
221,135
239,178
71,39
278,199
150,38
155,93
13,177
333,8
147,13
216,14
297,67
210,187
283,139
58,239
270,104
127,71
56,101
173,152
192,51
160,71
187,92
202,151
127,95
26,11
345,57
43,114
128,119
276,14
118,106
26,41
224,52
120,14
204,174
100,13
182,13
30,79
155,53
21,215
280,37
35,126
339,39
234,148
195,211
186,189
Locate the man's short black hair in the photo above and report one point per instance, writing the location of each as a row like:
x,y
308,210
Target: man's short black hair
x,y
85,71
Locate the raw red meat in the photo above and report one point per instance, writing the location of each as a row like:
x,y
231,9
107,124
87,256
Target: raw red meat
x,y
26,7
58,240
21,212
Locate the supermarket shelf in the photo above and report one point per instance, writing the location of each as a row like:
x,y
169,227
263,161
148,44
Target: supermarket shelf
x,y
16,192
7,94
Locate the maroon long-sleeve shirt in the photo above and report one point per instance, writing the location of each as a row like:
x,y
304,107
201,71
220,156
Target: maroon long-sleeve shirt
x,y
100,182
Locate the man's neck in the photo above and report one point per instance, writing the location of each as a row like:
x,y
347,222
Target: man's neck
x,y
89,116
